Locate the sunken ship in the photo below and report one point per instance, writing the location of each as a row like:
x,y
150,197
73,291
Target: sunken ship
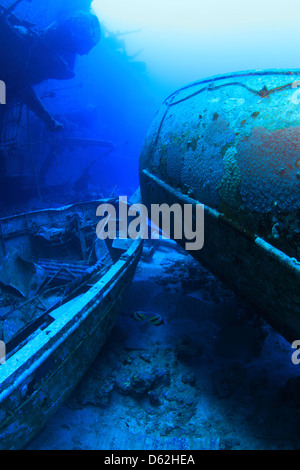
x,y
231,143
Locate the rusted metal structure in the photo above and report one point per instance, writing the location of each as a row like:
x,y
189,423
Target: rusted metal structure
x,y
232,143
33,53
47,358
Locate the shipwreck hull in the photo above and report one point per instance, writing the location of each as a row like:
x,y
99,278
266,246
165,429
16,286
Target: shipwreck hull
x,y
231,143
36,380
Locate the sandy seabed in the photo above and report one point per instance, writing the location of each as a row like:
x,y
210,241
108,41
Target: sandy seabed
x,y
213,375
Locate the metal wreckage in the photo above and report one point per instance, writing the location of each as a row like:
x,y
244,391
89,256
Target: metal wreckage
x,y
230,143
61,286
31,136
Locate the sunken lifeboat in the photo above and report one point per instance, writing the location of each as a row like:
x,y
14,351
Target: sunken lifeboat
x,y
232,143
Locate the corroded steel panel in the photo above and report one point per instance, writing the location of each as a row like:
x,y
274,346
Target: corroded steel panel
x,y
233,143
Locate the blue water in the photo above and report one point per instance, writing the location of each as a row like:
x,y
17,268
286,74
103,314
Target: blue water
x,y
182,384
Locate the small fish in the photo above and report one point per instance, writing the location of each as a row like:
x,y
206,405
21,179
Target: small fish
x,y
138,316
153,318
156,319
